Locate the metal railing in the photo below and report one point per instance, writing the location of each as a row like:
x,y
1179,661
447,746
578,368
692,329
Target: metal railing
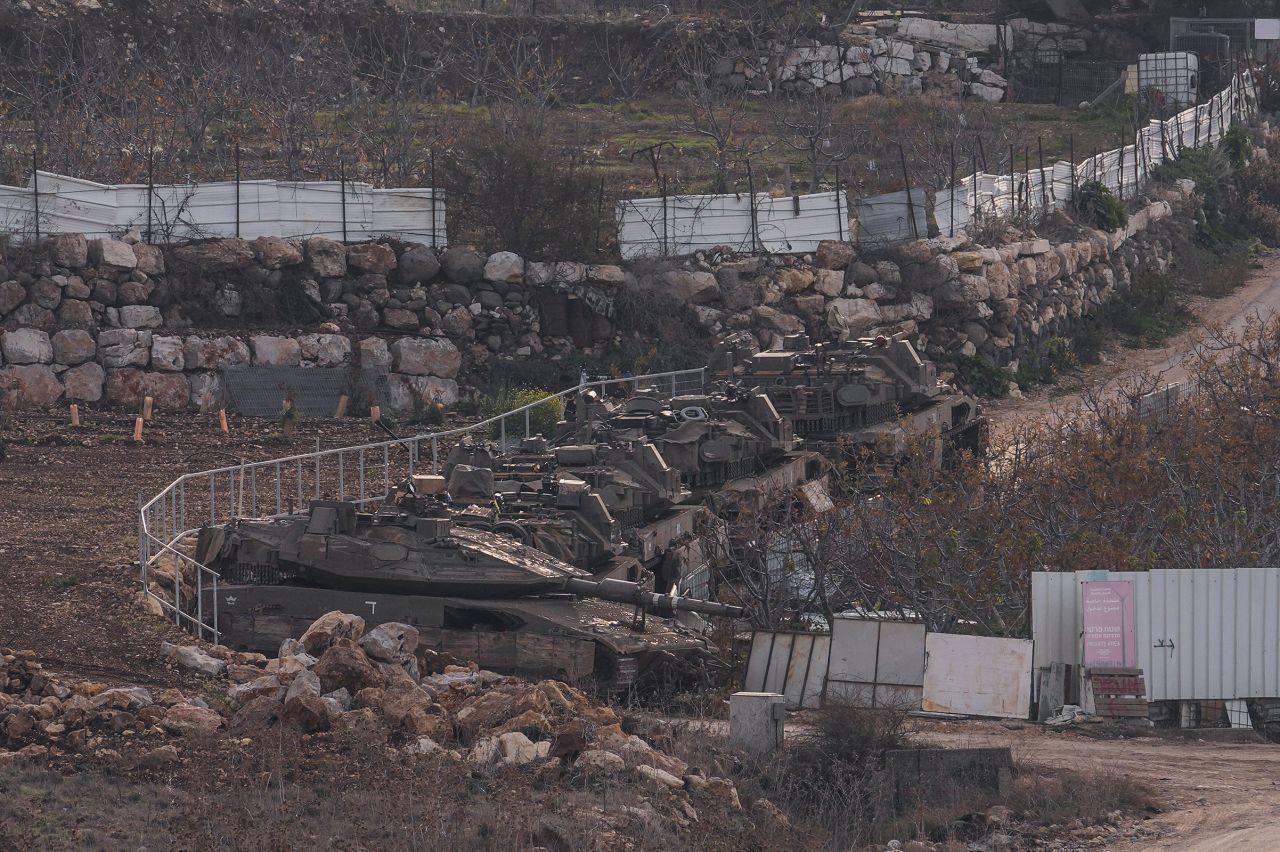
x,y
279,487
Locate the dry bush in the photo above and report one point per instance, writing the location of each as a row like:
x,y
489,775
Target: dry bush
x,y
1057,796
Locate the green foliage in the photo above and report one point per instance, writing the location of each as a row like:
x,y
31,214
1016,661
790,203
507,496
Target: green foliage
x,y
542,418
1098,206
1055,357
1211,171
1236,146
982,377
1151,311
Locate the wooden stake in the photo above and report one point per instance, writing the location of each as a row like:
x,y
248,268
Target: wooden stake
x,y
342,407
147,404
222,421
75,414
137,430
375,414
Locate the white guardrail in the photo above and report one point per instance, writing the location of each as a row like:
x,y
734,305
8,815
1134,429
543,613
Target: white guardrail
x,y
283,486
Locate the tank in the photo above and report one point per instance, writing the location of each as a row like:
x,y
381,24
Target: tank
x,y
874,393
475,593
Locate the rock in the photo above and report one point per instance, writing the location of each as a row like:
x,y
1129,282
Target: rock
x,y
124,347
150,259
344,666
516,749
206,391
305,682
600,761
853,315
73,313
410,710
326,350
186,719
267,686
407,395
390,642
328,627
34,384
828,282
373,353
506,266
167,354
141,316
12,294
73,346
371,258
192,658
26,346
272,351
84,383
308,713
607,274
112,255
652,773
228,301
123,698
998,280
991,94
222,255
418,356
860,274
337,702
276,253
462,265
162,756
400,319
795,280
833,255
46,293
775,320
326,258
561,272
258,713
457,322
216,353
69,250
684,287
418,265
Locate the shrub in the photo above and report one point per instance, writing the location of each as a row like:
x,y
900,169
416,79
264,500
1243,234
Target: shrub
x,y
1097,206
982,377
542,419
1054,357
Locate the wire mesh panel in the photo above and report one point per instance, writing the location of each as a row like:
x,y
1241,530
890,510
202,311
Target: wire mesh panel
x,y
314,392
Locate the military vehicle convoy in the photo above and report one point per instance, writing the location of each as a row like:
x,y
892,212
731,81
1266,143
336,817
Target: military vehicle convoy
x,y
477,594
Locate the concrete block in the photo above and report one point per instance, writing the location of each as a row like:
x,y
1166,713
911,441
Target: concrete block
x,y
756,721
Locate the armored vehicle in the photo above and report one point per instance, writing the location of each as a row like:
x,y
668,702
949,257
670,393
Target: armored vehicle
x,y
474,593
874,392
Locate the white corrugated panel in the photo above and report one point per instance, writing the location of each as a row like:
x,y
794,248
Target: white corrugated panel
x,y
1200,634
790,664
977,676
415,214
888,218
15,210
72,205
320,208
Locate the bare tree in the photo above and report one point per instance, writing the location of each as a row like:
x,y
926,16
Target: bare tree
x,y
807,123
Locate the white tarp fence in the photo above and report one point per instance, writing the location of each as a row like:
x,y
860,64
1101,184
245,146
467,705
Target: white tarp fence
x,y
354,211
1123,170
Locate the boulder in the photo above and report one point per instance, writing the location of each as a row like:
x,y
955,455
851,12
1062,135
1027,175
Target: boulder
x,y
408,395
141,316
853,315
256,714
373,353
598,760
276,253
206,391
73,313
308,713
998,280
832,254
505,266
418,356
46,293
860,274
213,353
329,627
273,351
344,666
371,258
400,319
391,642
795,280
775,320
124,387
516,749
169,391
411,710
828,282
26,346
150,259
68,250
33,384
12,294
417,265
112,255
456,322
305,682
193,659
653,773
695,288
167,353
462,265
267,686
991,94
184,719
73,346
607,274
222,255
326,258
326,350
84,383
559,272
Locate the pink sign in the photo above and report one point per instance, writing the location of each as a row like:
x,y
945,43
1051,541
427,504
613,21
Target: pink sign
x,y
1107,618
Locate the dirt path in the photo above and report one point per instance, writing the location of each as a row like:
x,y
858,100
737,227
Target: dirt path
x,y
1216,796
1259,297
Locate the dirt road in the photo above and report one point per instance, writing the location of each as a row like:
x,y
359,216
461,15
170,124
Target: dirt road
x,y
1216,796
1259,297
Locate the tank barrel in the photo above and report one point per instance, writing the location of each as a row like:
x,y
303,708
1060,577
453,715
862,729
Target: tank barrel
x,y
621,591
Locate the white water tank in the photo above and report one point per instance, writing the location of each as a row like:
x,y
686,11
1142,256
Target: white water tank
x,y
1176,75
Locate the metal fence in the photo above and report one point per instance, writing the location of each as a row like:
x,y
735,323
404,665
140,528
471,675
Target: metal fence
x,y
282,486
342,210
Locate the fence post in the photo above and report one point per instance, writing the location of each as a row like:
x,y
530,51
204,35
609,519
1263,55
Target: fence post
x,y
906,178
751,206
151,182
952,190
342,188
1071,152
35,185
1120,171
1044,197
433,197
664,215
1013,184
839,214
237,189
